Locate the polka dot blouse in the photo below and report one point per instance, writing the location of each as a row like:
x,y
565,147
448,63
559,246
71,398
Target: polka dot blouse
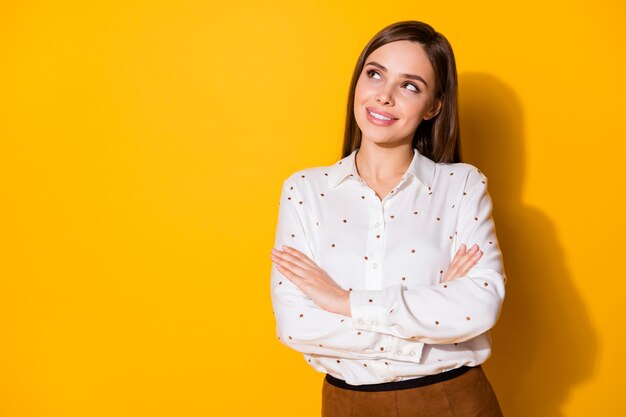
x,y
392,255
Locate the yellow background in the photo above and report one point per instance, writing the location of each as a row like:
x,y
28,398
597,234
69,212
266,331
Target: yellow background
x,y
143,145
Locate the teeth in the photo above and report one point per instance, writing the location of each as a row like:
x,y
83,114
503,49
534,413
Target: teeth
x,y
379,116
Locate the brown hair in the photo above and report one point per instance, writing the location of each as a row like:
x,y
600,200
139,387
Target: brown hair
x,y
437,138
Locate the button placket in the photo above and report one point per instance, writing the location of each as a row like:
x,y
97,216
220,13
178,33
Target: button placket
x,y
373,275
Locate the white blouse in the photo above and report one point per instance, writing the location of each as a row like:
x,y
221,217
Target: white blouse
x,y
391,255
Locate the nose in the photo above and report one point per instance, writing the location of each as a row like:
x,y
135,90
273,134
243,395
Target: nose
x,y
384,97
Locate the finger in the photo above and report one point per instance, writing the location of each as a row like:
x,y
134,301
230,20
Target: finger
x,y
279,260
454,266
293,268
470,262
292,258
458,256
460,261
293,278
467,263
300,269
469,258
297,253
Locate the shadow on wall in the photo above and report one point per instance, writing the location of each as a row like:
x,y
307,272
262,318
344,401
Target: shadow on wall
x,y
543,342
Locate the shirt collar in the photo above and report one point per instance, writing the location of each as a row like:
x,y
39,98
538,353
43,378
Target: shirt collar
x,y
421,167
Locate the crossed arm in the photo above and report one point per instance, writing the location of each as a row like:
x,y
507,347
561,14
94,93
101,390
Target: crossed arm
x,y
315,315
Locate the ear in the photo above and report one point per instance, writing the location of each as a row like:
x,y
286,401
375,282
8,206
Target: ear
x,y
434,110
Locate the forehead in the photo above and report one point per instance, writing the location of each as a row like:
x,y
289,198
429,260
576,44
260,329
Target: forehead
x,y
403,57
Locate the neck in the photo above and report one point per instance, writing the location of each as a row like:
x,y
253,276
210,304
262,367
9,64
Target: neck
x,y
383,164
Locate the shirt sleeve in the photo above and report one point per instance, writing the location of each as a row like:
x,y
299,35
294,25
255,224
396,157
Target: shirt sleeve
x,y
304,326
454,311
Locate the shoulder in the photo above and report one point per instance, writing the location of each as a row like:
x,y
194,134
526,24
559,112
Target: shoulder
x,y
308,178
312,174
471,175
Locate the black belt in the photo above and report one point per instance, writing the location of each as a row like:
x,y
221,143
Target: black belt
x,y
398,385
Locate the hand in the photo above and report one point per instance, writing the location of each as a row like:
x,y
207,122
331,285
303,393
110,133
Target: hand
x,y
463,261
312,280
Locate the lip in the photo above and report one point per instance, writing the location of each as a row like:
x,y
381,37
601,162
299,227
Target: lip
x,y
379,122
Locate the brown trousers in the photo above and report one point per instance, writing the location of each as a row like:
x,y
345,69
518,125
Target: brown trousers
x,y
467,395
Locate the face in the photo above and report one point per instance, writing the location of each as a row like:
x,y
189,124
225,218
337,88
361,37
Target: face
x,y
394,93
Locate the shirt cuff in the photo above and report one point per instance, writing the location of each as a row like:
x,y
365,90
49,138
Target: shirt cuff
x,y
369,313
368,309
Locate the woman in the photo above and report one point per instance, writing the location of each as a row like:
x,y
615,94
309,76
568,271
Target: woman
x,y
372,279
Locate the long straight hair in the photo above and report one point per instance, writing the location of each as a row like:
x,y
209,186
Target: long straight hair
x,y
437,138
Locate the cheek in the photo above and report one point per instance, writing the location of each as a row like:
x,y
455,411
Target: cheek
x,y
358,92
360,95
362,90
416,109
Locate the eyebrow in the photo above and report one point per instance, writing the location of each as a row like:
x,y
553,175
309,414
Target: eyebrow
x,y
409,76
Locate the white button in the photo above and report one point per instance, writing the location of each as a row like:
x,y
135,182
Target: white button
x,y
375,266
412,353
399,352
377,224
361,321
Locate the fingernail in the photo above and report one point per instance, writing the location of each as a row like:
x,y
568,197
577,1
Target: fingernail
x,y
285,247
474,247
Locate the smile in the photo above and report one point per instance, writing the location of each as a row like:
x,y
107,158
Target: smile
x,y
379,119
379,116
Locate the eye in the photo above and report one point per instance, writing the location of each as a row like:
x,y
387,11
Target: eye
x,y
415,90
370,72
